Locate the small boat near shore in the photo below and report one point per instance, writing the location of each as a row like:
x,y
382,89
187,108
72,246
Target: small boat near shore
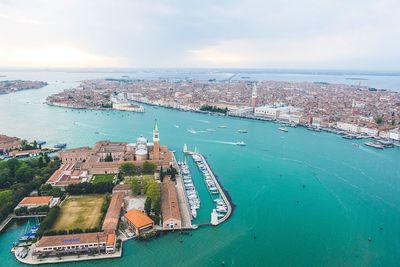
x,y
375,145
283,129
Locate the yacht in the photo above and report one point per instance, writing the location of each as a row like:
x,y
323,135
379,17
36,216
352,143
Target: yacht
x,y
283,129
222,126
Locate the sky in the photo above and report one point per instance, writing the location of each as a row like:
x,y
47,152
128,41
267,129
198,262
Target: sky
x,y
294,34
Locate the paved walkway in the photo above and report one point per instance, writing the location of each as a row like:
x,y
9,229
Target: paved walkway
x,y
183,204
32,260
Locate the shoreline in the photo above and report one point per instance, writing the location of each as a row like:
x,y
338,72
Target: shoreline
x,y
325,129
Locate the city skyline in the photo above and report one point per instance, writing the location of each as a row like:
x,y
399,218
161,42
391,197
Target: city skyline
x,y
235,34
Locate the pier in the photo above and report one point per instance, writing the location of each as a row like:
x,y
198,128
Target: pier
x,y
220,190
183,204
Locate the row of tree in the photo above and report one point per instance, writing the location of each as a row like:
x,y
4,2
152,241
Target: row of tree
x,y
210,108
89,188
130,169
48,221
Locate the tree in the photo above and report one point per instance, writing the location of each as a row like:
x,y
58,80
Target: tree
x,y
46,158
149,167
128,168
136,187
379,119
40,162
24,173
108,158
147,206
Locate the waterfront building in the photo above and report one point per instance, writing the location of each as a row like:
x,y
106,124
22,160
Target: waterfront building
x,y
394,134
34,202
75,243
241,111
171,217
125,105
96,160
24,153
138,221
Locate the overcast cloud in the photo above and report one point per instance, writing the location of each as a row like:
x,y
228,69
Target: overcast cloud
x,y
257,34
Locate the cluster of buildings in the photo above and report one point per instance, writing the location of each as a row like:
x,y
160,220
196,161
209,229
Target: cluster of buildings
x,y
106,157
317,104
7,87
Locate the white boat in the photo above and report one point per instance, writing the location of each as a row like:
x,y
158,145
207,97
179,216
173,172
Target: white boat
x,y
375,145
240,143
194,213
242,131
283,129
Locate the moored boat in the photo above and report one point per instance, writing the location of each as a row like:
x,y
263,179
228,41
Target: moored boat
x,y
374,145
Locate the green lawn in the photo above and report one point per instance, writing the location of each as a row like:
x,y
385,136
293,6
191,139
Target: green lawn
x,y
127,179
102,178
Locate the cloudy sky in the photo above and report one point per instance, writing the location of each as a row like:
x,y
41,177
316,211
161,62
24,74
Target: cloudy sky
x,y
329,34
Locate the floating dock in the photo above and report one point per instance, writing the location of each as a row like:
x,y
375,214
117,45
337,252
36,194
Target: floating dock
x,y
221,193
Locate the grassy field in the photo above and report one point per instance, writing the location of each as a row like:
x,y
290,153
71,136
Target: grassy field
x,y
140,177
80,212
101,178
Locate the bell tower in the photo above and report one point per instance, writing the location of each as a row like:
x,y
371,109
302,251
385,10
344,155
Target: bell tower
x,y
254,97
156,142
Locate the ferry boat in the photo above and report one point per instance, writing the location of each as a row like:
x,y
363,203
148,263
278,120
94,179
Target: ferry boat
x,y
375,145
222,126
240,143
242,131
283,129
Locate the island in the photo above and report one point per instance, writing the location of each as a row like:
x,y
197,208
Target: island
x,y
88,201
11,86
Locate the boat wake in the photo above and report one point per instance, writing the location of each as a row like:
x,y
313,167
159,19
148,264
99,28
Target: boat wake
x,y
221,142
83,124
203,121
192,131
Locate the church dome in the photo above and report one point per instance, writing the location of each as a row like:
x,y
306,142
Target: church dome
x,y
141,140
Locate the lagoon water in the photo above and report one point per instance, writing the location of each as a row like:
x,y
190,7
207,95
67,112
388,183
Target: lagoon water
x,y
351,193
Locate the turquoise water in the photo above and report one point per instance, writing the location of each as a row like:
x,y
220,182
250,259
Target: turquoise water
x,y
349,192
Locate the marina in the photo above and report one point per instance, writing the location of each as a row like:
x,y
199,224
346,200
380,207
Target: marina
x,y
190,190
223,208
